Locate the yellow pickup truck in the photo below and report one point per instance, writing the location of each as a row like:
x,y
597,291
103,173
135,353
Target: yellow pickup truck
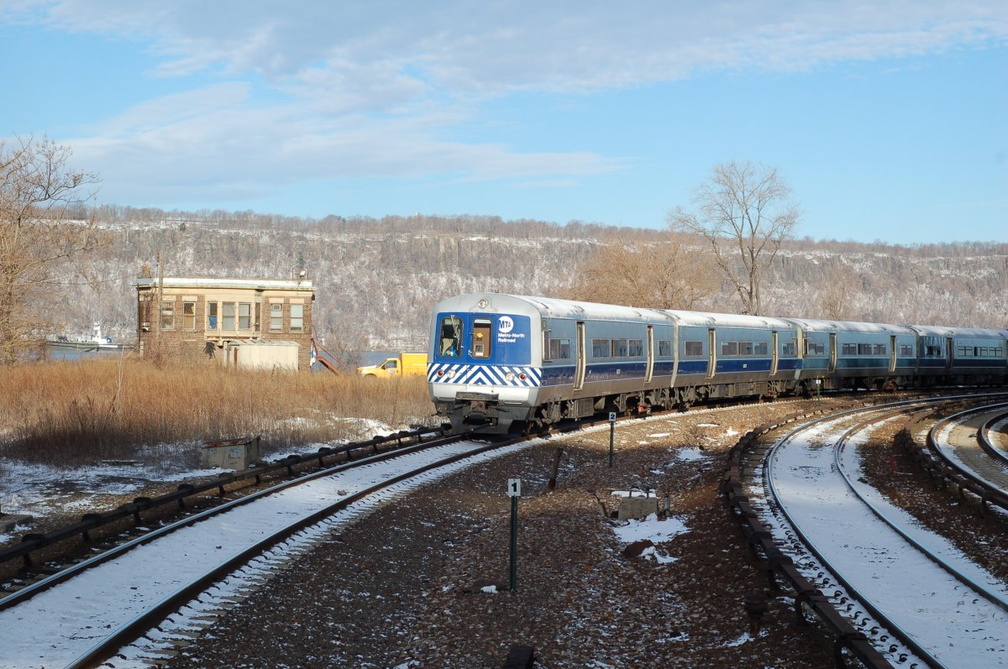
x,y
406,364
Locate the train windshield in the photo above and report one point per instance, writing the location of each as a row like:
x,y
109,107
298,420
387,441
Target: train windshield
x,y
450,337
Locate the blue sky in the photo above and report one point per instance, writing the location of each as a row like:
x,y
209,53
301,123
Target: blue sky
x,y
889,120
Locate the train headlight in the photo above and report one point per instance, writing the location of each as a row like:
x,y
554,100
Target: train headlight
x,y
509,376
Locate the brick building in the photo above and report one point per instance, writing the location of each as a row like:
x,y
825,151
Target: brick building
x,y
246,322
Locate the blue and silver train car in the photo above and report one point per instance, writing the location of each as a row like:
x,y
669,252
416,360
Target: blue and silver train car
x,y
726,355
847,354
962,356
502,361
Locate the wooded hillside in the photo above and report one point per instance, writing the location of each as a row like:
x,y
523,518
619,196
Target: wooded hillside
x,y
376,280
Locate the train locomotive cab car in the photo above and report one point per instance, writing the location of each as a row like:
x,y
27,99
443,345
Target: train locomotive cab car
x,y
481,371
501,363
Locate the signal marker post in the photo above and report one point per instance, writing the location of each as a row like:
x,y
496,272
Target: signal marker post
x,y
612,434
514,492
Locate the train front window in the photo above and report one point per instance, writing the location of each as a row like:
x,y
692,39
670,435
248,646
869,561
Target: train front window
x,y
481,338
450,337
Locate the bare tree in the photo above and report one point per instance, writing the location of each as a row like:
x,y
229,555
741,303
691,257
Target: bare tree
x,y
663,275
745,214
41,199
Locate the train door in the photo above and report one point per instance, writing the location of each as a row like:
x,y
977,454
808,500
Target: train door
x,y
711,353
799,351
832,352
892,354
949,352
580,358
649,370
775,355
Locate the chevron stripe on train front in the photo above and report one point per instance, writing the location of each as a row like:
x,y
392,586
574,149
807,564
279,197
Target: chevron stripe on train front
x,y
485,375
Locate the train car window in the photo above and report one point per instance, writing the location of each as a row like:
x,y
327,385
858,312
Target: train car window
x,y
636,348
693,349
762,348
620,348
729,348
933,347
788,348
665,348
745,348
450,337
559,349
482,328
814,348
848,349
601,348
906,350
879,349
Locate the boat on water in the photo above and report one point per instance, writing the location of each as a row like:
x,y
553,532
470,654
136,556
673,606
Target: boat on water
x,y
95,342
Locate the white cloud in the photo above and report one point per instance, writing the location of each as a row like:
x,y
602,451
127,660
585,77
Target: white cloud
x,y
352,89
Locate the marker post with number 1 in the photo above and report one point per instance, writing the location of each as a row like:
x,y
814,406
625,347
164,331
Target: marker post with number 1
x,y
514,492
612,434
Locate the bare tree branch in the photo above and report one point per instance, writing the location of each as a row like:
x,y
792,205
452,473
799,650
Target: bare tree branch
x,y
38,191
745,207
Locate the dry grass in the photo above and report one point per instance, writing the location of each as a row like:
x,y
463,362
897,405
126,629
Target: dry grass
x,y
74,413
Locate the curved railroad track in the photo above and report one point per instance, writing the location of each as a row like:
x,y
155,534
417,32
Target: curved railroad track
x,y
905,589
96,611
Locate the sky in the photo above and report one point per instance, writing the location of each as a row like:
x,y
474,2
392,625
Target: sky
x,y
887,119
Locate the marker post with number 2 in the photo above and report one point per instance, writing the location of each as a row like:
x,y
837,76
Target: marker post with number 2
x,y
514,492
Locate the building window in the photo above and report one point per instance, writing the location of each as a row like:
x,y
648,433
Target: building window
x,y
244,315
228,316
297,318
168,315
189,316
276,317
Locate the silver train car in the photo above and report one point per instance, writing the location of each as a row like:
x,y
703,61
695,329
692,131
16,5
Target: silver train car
x,y
506,363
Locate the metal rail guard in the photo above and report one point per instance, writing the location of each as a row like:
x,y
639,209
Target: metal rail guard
x,y
780,568
89,522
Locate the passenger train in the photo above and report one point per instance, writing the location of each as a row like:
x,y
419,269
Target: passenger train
x,y
507,363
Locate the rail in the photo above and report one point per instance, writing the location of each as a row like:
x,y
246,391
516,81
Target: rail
x,y
254,475
779,567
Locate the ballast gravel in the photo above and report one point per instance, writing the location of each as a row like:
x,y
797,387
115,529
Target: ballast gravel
x,y
424,581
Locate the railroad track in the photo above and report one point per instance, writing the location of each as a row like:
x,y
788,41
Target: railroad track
x,y
899,594
129,605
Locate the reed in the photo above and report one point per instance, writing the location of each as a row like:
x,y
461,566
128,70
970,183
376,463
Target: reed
x,y
73,413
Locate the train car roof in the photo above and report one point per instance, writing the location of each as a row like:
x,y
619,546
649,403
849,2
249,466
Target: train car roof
x,y
817,325
705,319
549,307
948,331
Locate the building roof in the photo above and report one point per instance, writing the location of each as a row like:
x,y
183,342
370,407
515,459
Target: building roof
x,y
202,282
